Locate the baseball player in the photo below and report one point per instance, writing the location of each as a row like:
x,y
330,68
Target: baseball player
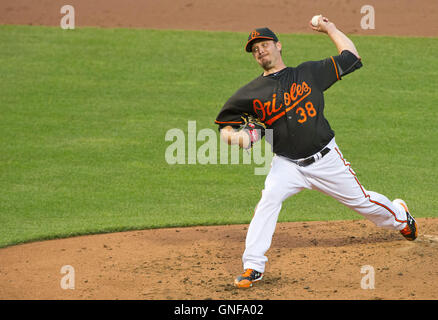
x,y
290,101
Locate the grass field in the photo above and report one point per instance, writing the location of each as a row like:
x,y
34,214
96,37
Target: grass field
x,y
84,114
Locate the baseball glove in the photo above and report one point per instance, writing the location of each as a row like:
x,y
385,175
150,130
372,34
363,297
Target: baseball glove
x,y
254,127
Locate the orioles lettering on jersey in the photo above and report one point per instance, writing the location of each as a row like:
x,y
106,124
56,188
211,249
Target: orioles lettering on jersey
x,y
269,112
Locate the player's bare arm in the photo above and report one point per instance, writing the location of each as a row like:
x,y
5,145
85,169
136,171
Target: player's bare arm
x,y
341,41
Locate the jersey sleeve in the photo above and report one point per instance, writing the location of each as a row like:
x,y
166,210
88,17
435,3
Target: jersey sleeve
x,y
326,72
231,112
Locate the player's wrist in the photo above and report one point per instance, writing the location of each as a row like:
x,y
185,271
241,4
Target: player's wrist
x,y
331,28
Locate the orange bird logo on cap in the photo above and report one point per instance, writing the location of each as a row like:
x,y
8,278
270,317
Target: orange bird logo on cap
x,y
254,34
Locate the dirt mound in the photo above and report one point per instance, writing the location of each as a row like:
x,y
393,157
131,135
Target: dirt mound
x,y
307,260
392,17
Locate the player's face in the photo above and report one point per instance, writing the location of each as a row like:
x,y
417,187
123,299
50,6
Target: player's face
x,y
267,53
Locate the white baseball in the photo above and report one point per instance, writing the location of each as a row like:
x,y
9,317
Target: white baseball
x,y
315,20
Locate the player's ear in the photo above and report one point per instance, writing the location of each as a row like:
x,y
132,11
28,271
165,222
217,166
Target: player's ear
x,y
279,47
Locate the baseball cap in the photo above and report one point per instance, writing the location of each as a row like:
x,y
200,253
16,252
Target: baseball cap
x,y
260,33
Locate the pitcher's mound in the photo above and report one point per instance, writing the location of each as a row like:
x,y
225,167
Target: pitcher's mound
x,y
307,260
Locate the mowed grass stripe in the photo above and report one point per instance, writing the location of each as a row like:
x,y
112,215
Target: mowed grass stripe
x,y
84,113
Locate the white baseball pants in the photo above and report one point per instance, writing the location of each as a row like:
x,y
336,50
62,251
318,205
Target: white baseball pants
x,y
331,175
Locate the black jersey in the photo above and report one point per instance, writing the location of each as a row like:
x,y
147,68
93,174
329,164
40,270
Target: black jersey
x,y
291,102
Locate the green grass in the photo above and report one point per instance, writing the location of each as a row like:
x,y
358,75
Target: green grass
x,y
84,113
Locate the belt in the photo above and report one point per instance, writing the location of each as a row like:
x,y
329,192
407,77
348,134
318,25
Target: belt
x,y
308,161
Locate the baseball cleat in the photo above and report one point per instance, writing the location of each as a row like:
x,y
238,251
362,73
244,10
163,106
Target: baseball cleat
x,y
410,232
248,278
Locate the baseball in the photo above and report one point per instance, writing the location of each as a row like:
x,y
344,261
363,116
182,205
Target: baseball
x,y
315,20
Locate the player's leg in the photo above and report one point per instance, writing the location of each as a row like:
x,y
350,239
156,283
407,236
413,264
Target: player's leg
x,y
282,181
334,176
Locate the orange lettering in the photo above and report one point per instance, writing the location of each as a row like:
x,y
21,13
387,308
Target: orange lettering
x,y
292,91
258,106
305,87
297,102
299,91
287,99
273,104
266,107
291,99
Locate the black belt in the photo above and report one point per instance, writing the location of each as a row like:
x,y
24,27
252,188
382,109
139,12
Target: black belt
x,y
308,161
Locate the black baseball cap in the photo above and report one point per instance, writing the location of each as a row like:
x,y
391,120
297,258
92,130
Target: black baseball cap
x,y
260,33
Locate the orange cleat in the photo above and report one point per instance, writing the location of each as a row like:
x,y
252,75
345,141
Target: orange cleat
x,y
410,232
248,278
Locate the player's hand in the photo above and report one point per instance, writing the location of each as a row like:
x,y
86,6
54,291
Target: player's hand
x,y
232,137
324,25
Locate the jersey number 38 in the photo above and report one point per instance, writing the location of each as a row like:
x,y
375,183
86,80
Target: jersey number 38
x,y
308,110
